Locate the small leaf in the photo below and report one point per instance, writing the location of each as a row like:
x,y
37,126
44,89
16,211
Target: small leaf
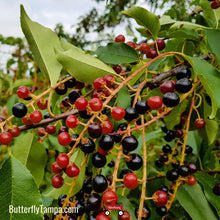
x,y
117,53
173,118
194,140
194,202
212,41
208,13
84,67
76,158
42,42
208,182
18,188
144,18
210,130
185,33
166,22
31,154
124,98
210,79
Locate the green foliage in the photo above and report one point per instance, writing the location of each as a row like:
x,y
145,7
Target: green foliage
x,y
194,202
17,184
117,53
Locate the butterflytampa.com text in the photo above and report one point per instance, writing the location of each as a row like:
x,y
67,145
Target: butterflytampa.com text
x,y
40,209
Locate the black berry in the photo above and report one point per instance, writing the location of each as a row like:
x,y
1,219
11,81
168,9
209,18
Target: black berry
x,y
94,202
73,96
106,142
95,130
171,99
183,170
131,114
167,149
129,143
183,73
142,106
158,163
216,189
135,162
172,175
98,160
99,183
161,210
87,145
183,85
19,110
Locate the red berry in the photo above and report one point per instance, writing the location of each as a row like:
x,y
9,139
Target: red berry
x,y
72,171
36,116
5,138
57,181
191,180
99,84
103,152
144,48
110,197
131,44
215,4
81,104
131,180
95,104
107,127
152,53
26,120
42,104
160,198
120,38
109,80
117,68
107,92
62,160
98,95
64,138
71,121
41,132
125,216
155,102
102,216
167,86
118,113
23,92
55,168
15,131
160,43
199,123
51,129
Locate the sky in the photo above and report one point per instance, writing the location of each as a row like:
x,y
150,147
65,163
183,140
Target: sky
x,y
46,12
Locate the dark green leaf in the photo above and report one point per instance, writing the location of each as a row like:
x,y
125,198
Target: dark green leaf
x,y
144,18
210,79
185,33
84,67
18,188
194,140
208,182
210,130
124,98
42,42
117,53
173,118
194,202
76,158
31,154
208,13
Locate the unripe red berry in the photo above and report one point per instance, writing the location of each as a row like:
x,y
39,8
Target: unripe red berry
x,y
42,104
81,104
23,92
160,43
95,104
191,180
155,102
71,121
144,48
160,198
51,129
62,160
199,123
110,197
102,216
41,132
57,181
55,168
118,113
64,138
36,116
26,120
120,38
152,53
131,44
117,68
131,180
5,138
72,171
167,86
107,127
109,80
99,83
15,131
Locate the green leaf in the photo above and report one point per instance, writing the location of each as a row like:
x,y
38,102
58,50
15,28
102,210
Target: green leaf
x,y
166,22
210,79
31,154
18,188
189,48
117,53
144,18
210,130
173,118
84,67
42,42
208,183
194,202
76,158
185,33
55,144
212,37
194,140
208,13
124,98
22,82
